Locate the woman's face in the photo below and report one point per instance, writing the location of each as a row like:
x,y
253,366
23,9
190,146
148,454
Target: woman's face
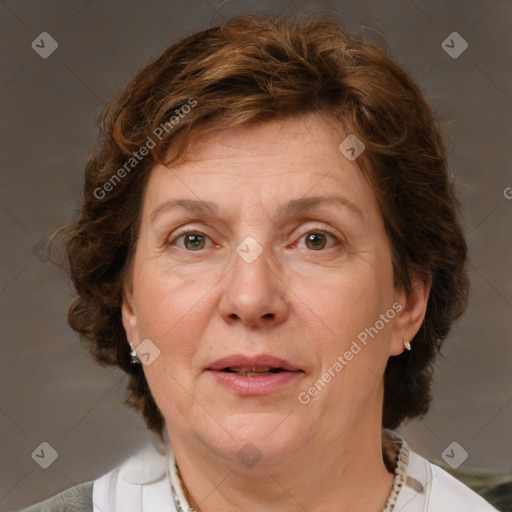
x,y
242,266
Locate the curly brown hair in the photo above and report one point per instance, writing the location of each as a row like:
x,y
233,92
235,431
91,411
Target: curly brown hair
x,y
250,69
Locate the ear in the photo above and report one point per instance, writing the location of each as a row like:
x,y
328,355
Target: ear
x,y
410,317
129,316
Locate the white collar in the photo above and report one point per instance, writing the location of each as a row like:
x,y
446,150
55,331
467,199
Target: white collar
x,y
143,483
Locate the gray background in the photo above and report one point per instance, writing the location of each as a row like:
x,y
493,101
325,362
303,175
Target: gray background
x,y
50,390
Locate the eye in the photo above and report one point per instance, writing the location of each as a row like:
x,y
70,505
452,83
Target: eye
x,y
192,241
195,241
317,240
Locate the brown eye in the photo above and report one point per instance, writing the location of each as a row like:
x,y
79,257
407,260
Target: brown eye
x,y
316,241
191,241
194,241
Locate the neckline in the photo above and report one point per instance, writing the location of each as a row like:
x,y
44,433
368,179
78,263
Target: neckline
x,y
395,451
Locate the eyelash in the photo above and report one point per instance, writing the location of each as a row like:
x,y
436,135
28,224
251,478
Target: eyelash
x,y
171,243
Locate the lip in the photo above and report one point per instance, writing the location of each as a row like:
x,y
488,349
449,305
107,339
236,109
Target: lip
x,y
261,361
257,385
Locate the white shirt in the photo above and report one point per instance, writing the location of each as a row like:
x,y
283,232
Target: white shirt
x,y
149,482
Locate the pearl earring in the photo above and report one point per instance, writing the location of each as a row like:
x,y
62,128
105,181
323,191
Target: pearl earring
x,y
134,359
407,345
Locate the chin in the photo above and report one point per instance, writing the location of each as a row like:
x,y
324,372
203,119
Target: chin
x,y
262,436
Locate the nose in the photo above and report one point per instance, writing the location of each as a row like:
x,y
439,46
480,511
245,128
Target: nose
x,y
254,294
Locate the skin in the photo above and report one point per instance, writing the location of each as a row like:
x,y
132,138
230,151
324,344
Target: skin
x,y
296,301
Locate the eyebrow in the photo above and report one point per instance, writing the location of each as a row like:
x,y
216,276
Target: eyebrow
x,y
293,207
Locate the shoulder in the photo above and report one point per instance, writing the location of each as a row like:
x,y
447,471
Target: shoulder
x,y
426,487
450,495
440,491
75,499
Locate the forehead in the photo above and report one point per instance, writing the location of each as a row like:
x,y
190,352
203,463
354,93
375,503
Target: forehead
x,y
270,162
300,140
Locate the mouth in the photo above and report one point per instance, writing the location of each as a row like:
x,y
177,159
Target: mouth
x,y
256,375
254,371
263,364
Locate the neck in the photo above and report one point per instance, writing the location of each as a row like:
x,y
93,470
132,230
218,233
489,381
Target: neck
x,y
316,478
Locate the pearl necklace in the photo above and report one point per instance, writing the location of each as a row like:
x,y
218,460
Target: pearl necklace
x,y
402,460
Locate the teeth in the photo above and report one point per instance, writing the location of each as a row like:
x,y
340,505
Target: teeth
x,y
254,374
251,371
238,369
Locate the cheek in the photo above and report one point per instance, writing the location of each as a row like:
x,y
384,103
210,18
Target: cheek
x,y
348,300
173,314
169,312
349,304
